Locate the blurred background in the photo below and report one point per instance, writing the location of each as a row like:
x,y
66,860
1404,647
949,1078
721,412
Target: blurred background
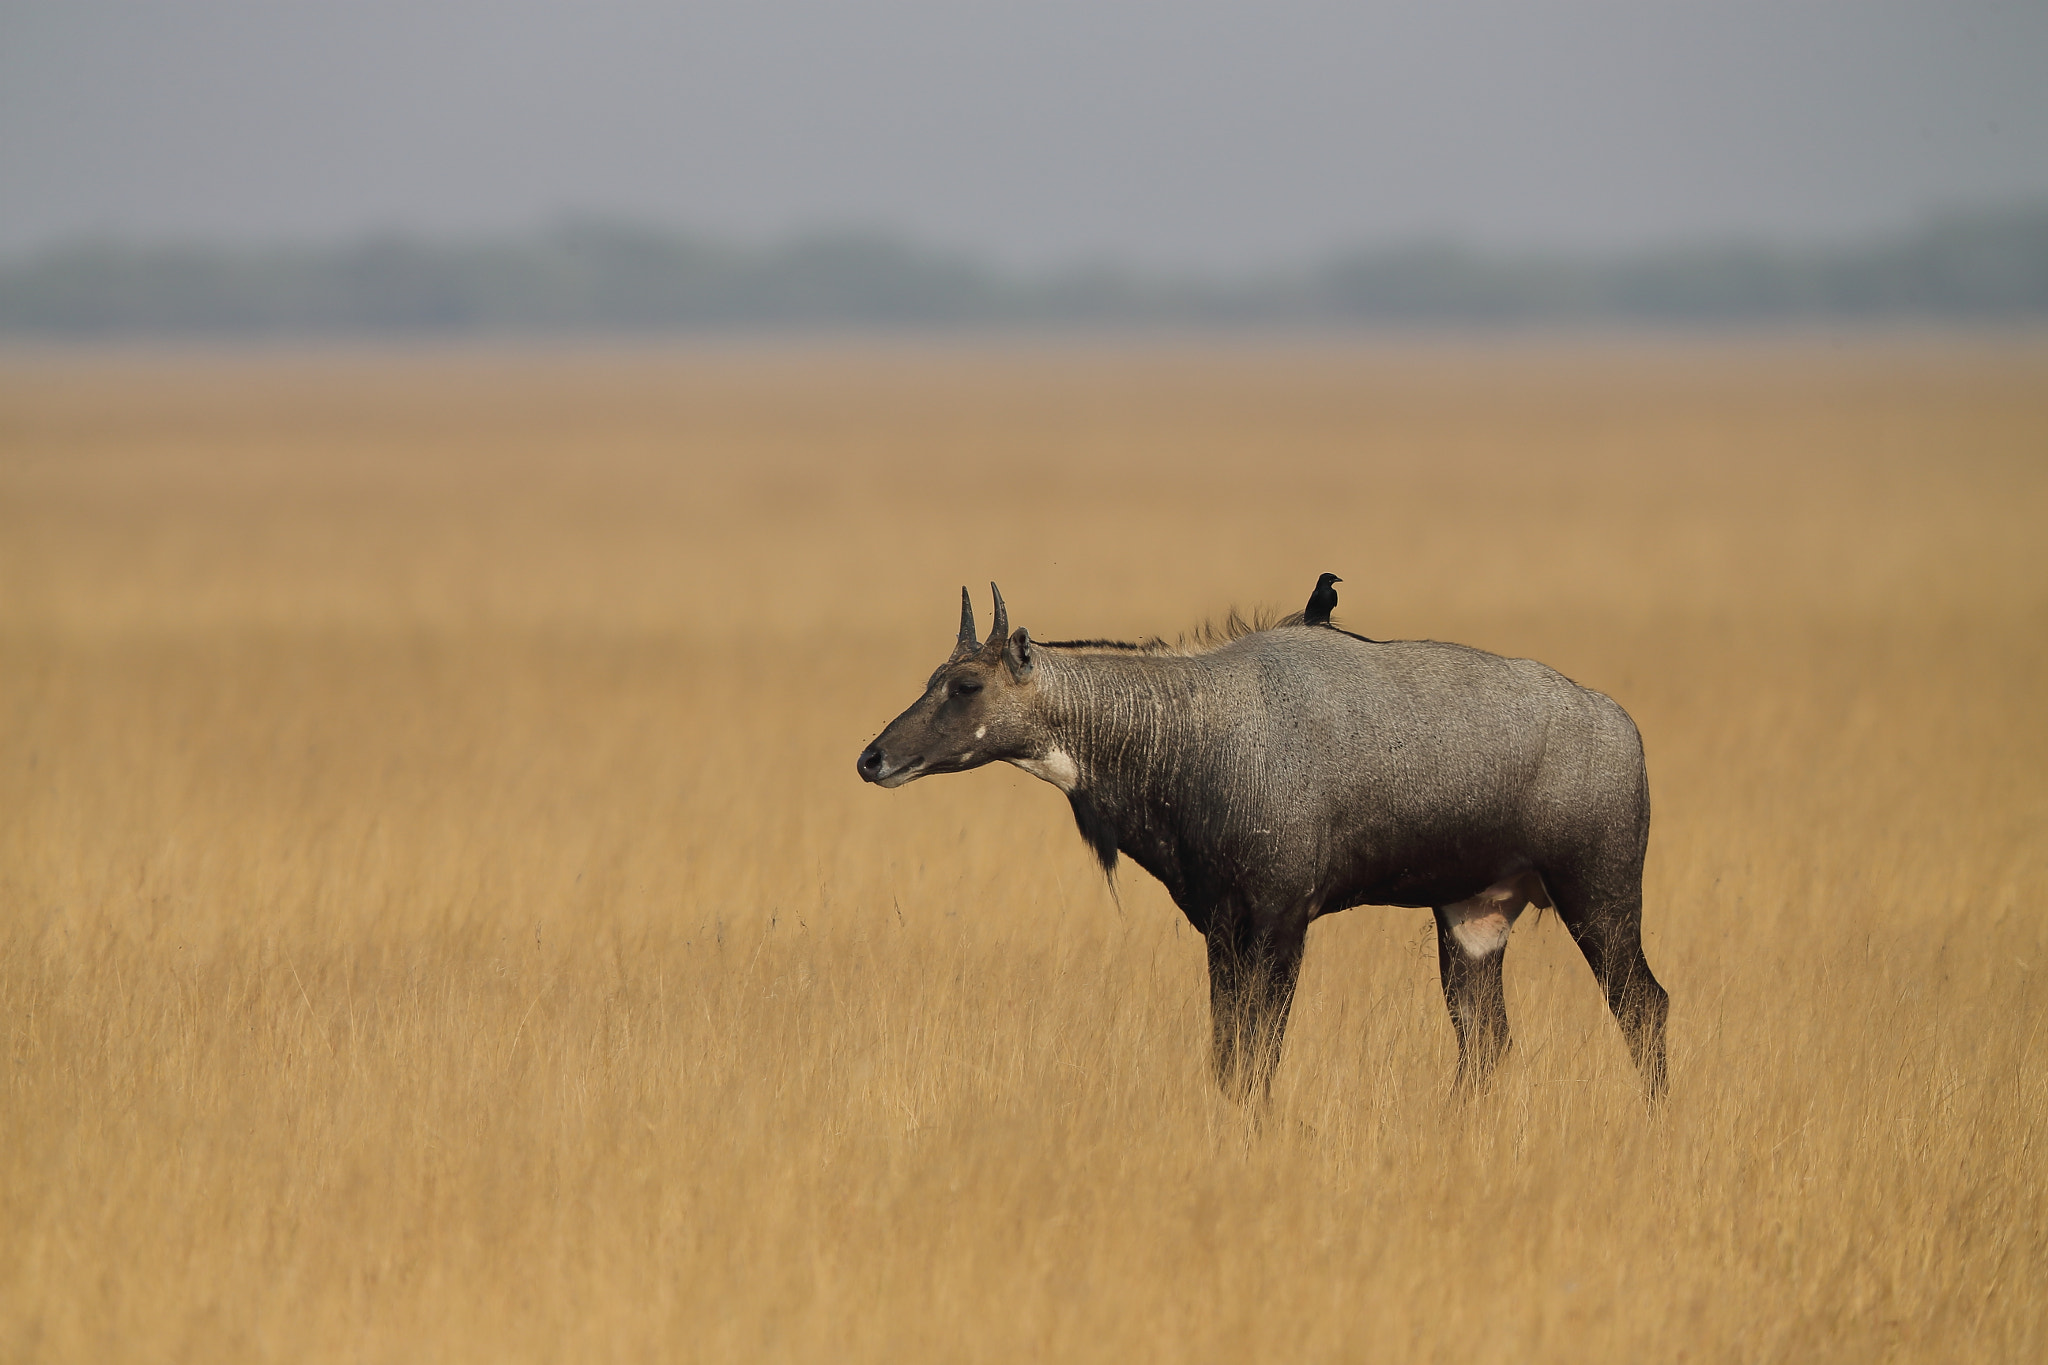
x,y
236,167
474,475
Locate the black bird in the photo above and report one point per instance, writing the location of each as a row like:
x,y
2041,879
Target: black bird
x,y
1321,602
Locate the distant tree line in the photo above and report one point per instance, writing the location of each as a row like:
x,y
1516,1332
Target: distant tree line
x,y
604,277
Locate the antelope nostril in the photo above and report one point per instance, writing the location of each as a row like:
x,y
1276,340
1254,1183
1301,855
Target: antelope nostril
x,y
870,762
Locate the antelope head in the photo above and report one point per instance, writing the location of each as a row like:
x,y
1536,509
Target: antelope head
x,y
978,707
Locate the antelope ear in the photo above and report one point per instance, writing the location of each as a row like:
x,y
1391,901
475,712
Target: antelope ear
x,y
1018,654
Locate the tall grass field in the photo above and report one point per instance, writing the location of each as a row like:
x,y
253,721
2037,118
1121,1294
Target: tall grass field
x,y
440,919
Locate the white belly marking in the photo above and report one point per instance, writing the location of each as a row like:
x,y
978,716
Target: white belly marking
x,y
1480,925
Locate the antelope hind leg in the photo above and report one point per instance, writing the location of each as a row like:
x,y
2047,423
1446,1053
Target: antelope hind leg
x,y
1471,942
1611,937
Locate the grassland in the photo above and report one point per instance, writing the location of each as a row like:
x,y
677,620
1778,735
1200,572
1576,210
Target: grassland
x,y
439,920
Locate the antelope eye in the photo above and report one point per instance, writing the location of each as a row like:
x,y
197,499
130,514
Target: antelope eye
x,y
966,687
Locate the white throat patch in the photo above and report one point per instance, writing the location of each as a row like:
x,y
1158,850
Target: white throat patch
x,y
1057,767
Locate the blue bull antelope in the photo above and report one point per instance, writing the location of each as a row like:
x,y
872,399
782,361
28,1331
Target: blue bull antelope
x,y
1287,773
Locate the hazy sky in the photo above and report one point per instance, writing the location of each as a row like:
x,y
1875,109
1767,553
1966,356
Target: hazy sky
x,y
1180,132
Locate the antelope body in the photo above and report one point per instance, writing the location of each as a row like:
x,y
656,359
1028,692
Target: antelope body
x,y
1292,772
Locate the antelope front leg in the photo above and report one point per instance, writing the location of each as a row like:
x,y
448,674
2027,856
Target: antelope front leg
x,y
1253,968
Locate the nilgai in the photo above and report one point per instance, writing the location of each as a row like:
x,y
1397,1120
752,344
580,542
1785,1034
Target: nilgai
x,y
1283,774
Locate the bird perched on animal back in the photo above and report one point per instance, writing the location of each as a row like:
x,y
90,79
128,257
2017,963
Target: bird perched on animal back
x,y
1321,602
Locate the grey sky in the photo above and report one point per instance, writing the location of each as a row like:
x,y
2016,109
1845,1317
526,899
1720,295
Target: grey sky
x,y
1190,132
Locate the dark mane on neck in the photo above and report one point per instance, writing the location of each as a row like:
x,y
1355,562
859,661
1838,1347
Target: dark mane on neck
x,y
1152,646
1207,636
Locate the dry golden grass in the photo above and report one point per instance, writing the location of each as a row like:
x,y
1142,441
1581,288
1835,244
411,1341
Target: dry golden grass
x,y
439,919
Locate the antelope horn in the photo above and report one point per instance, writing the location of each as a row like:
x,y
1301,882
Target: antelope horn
x,y
1002,626
966,644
